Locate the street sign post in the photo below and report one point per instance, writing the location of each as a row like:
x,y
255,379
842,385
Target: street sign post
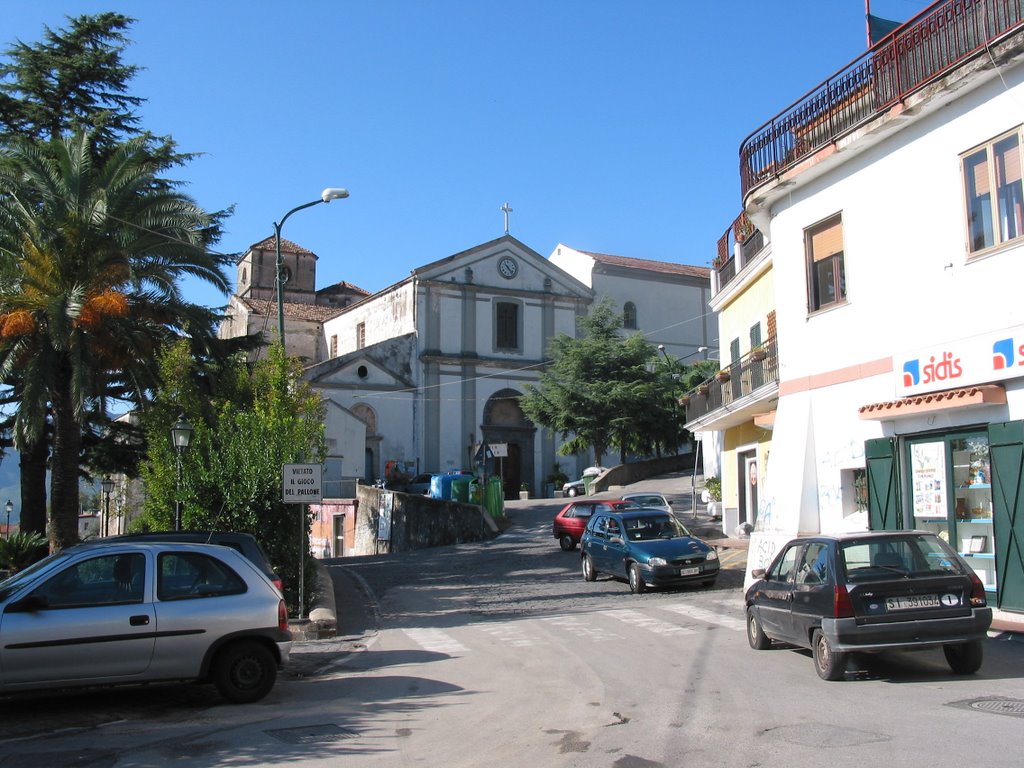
x,y
302,484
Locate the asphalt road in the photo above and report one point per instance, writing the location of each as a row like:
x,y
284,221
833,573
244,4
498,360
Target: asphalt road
x,y
499,654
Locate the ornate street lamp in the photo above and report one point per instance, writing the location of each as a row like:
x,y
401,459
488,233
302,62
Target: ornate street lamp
x,y
107,485
331,193
9,506
181,436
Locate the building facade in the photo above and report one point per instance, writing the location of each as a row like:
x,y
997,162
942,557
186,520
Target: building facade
x,y
892,204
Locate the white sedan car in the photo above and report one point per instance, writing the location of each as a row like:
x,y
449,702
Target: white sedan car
x,y
649,500
128,612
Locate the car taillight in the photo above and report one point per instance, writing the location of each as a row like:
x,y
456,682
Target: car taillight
x,y
279,584
282,615
842,606
977,592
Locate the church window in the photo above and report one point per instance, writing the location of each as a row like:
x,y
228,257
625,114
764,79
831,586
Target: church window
x,y
334,345
506,325
629,315
360,335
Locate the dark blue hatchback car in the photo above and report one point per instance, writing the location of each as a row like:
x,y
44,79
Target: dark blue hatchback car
x,y
647,547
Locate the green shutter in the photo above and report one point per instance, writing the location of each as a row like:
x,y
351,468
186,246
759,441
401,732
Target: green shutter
x,y
883,484
1006,452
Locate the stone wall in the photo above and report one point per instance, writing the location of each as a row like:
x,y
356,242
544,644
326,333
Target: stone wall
x,y
417,522
625,474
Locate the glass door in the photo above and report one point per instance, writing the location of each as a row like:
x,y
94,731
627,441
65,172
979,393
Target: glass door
x,y
950,495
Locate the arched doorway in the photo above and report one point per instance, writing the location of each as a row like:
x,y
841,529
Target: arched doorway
x,y
505,422
372,468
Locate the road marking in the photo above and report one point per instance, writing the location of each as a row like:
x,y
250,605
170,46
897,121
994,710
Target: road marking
x,y
507,634
711,617
578,628
434,640
651,624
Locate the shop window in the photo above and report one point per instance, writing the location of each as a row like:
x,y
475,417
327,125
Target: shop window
x,y
993,193
826,268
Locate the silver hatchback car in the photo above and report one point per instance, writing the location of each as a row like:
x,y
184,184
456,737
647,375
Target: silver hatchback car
x,y
141,612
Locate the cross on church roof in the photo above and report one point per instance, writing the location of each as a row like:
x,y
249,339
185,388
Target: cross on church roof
x,y
506,209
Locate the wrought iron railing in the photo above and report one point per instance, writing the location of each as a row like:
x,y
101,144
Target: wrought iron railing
x,y
744,377
934,42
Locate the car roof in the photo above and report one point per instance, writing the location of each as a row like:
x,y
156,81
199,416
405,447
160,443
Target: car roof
x,y
634,512
121,545
860,535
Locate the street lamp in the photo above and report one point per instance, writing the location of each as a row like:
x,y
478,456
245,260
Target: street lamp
x,y
9,506
107,485
331,193
181,435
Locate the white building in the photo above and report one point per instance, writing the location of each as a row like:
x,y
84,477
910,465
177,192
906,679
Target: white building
x,y
892,200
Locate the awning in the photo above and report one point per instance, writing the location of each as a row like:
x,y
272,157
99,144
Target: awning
x,y
964,397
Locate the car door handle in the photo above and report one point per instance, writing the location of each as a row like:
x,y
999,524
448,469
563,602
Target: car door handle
x,y
139,621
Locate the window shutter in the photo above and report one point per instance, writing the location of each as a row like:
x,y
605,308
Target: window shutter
x,y
1007,156
827,242
976,169
1006,453
883,484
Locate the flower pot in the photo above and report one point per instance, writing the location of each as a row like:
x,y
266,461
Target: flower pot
x,y
702,389
722,376
758,355
524,495
684,401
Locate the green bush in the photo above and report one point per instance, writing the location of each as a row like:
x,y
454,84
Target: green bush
x,y
713,485
21,550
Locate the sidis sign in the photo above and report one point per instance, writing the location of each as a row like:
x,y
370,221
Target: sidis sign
x,y
983,359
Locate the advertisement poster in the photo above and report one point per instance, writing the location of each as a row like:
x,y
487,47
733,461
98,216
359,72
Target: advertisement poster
x,y
928,464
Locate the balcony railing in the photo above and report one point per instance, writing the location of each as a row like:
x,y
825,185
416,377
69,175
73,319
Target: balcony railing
x,y
744,234
745,377
925,48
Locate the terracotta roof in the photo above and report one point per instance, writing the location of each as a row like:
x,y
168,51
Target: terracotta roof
x,y
984,394
312,312
345,285
286,245
648,264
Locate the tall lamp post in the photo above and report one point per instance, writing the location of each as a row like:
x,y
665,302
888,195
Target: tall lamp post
x,y
107,485
9,506
331,193
181,435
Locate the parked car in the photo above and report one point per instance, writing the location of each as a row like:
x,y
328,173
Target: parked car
x,y
128,612
648,499
578,487
648,548
867,592
420,484
245,543
572,519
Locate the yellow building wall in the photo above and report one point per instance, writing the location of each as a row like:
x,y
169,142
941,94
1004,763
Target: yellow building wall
x,y
742,436
749,307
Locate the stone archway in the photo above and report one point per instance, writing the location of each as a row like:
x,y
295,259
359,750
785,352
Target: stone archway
x,y
368,416
505,422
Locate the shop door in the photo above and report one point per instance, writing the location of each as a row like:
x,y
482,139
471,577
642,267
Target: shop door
x,y
883,485
748,487
1006,446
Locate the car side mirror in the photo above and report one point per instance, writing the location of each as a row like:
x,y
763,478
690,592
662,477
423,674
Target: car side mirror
x,y
758,573
29,604
615,540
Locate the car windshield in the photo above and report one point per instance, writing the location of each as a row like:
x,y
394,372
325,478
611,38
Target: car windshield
x,y
908,556
15,582
651,527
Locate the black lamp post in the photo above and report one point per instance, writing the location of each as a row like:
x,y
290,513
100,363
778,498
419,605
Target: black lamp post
x,y
181,436
331,193
107,485
9,506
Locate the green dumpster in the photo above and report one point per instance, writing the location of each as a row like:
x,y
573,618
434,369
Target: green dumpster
x,y
474,492
460,489
587,482
495,501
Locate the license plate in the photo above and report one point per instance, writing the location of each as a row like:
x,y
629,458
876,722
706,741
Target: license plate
x,y
689,571
909,602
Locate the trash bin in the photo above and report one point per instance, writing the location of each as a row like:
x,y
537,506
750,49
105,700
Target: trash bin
x,y
588,481
495,499
474,493
460,489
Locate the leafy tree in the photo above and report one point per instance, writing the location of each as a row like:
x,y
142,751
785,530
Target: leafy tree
x,y
601,389
100,247
261,418
75,82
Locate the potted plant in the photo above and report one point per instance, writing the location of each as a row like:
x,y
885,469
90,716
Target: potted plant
x,y
758,353
722,376
702,389
684,400
524,491
712,495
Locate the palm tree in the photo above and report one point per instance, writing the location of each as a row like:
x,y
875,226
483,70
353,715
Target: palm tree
x,y
93,253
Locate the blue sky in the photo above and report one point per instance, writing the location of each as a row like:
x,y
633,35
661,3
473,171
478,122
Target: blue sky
x,y
609,126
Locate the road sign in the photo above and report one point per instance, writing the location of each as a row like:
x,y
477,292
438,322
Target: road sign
x,y
302,483
498,450
483,453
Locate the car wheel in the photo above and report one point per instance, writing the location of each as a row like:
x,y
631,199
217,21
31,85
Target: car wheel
x,y
589,574
758,640
964,658
636,580
571,492
566,542
829,664
244,672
